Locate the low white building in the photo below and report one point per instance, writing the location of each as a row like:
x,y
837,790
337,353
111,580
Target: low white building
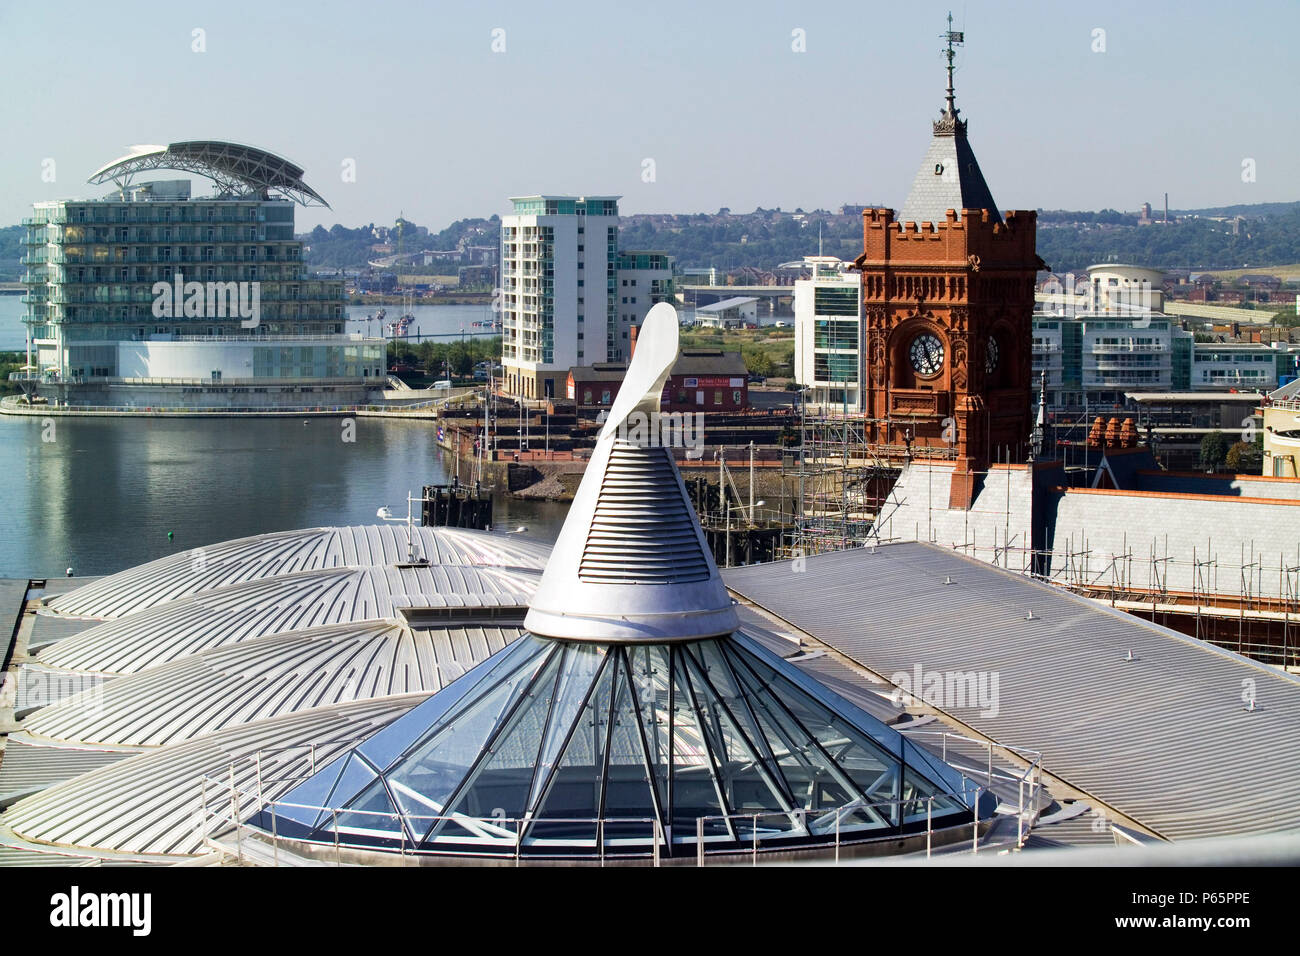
x,y
732,313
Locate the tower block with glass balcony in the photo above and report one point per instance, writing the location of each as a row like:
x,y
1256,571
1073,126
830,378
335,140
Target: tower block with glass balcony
x,y
948,300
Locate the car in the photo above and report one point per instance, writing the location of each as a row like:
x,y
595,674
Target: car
x,y
442,383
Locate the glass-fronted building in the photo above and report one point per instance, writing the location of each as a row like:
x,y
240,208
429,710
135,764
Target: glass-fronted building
x,y
151,296
828,334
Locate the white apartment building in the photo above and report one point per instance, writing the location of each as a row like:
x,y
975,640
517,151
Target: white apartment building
x,y
564,300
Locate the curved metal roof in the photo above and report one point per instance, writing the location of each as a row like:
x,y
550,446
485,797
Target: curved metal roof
x,y
287,603
235,168
147,803
285,552
267,677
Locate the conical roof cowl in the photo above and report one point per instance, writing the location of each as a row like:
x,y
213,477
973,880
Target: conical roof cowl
x,y
631,562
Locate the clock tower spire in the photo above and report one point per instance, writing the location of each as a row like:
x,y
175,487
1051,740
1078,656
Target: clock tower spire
x,y
948,297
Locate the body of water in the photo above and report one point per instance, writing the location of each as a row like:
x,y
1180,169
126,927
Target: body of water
x,y
102,495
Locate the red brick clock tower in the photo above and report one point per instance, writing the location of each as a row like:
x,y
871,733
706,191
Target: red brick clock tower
x,y
948,296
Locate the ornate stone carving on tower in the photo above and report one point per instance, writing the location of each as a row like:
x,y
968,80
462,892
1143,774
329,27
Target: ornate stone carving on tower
x,y
948,295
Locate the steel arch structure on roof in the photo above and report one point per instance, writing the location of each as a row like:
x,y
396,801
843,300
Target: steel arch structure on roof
x,y
233,167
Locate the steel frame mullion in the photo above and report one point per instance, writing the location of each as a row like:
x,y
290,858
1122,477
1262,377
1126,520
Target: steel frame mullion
x,y
564,746
657,801
845,780
716,775
486,752
777,784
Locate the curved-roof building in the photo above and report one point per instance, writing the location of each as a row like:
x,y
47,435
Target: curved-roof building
x,y
235,168
285,603
266,677
278,553
149,803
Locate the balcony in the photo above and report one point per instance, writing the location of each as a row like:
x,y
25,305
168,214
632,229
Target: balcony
x,y
1111,349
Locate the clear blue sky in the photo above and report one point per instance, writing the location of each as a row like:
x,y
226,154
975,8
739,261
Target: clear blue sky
x,y
441,127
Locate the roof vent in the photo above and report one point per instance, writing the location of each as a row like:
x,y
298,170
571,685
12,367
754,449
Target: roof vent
x,y
642,532
631,563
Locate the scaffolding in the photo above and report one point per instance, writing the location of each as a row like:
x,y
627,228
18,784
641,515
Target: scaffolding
x,y
839,480
844,493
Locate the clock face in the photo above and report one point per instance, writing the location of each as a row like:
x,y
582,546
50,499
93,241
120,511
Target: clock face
x,y
926,353
991,357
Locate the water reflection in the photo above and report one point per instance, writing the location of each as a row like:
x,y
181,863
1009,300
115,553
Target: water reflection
x,y
104,494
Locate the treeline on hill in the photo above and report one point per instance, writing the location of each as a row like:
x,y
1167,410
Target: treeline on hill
x,y
342,248
1187,244
763,239
438,358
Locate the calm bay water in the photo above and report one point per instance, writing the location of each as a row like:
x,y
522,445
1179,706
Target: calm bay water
x,y
104,493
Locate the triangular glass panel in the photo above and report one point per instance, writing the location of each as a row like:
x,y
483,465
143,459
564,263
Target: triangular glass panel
x,y
629,793
749,791
371,816
581,663
651,683
409,731
570,800
875,773
498,786
696,795
423,780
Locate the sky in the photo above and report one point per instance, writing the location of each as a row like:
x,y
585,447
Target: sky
x,y
441,111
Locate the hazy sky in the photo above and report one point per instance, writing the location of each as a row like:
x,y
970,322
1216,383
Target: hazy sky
x,y
441,127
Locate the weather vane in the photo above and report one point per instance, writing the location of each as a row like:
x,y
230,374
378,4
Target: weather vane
x,y
953,37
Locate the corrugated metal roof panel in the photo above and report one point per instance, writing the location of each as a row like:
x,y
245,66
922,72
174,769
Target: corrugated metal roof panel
x,y
148,803
271,555
289,603
29,768
267,677
1164,738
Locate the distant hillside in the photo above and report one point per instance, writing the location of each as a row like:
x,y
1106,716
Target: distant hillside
x,y
764,238
1189,243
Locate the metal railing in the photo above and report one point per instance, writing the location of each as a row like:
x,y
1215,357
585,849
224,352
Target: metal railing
x,y
225,807
1029,783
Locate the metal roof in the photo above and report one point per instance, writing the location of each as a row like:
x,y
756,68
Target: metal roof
x,y
230,165
266,677
47,628
40,686
1202,543
723,304
147,803
1164,738
285,552
286,603
30,767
